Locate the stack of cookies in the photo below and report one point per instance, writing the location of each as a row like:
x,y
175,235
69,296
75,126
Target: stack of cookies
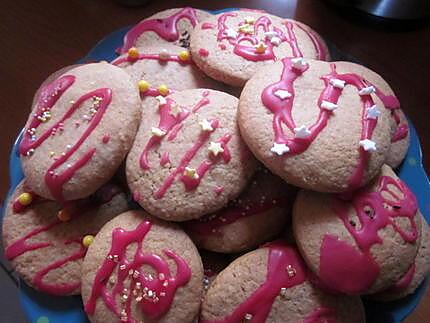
x,y
155,192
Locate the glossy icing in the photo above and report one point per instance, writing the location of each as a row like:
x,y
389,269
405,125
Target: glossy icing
x,y
171,58
152,294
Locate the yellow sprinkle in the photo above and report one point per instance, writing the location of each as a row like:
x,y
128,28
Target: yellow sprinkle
x,y
184,55
250,20
87,240
25,199
143,85
63,215
51,154
163,89
133,53
247,29
260,48
191,172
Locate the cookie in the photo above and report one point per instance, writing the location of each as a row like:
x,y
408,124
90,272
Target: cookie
x,y
188,158
416,273
79,131
168,26
318,125
141,269
259,214
270,284
230,47
362,242
400,138
46,243
161,66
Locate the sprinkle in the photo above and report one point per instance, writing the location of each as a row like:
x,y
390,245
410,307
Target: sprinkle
x,y
164,55
68,147
282,94
63,215
206,125
276,41
163,89
247,317
279,149
373,112
330,106
184,55
246,29
215,148
157,132
25,198
69,165
122,267
30,152
270,34
291,271
143,85
161,276
367,90
299,63
87,240
260,48
133,53
191,172
250,20
136,274
231,33
161,100
368,145
302,132
340,84
283,292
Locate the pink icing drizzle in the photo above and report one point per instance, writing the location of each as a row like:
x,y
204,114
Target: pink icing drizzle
x,y
218,189
347,269
165,159
405,281
260,302
166,28
203,52
319,46
128,59
105,139
321,315
163,286
208,25
47,99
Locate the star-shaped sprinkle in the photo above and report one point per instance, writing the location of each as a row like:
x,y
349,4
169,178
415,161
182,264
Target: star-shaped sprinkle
x,y
260,48
330,106
191,173
373,112
282,94
279,149
270,34
276,41
157,132
231,33
161,100
249,20
367,90
215,148
206,125
299,63
368,145
302,132
340,84
246,29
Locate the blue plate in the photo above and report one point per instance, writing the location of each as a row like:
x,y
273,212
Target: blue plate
x,y
43,308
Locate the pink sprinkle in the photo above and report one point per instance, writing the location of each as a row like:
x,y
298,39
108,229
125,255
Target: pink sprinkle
x,y
105,139
203,52
222,46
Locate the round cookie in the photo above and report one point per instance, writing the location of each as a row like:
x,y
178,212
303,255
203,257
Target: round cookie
x,y
362,242
400,138
80,131
46,243
230,47
259,214
415,275
318,125
141,269
188,158
164,27
163,65
270,284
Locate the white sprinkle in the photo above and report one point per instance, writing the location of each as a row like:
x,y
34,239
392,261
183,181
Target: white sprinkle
x,y
302,132
299,63
330,106
270,34
206,125
373,112
164,55
68,147
279,149
276,41
215,148
231,33
161,100
367,90
340,84
157,132
282,94
191,172
368,145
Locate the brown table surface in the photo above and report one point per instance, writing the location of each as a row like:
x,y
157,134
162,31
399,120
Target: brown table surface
x,y
40,37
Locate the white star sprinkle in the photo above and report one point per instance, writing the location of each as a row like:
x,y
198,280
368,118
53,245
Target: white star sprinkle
x,y
282,94
368,145
231,33
270,34
157,132
302,132
330,106
279,149
161,100
206,125
276,41
340,84
191,172
299,63
367,90
215,148
373,112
